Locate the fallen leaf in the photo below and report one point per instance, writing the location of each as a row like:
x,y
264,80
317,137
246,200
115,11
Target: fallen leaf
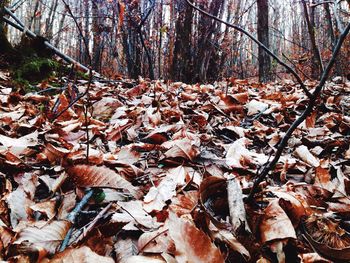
x,y
255,107
47,235
99,176
20,145
275,224
304,154
133,214
236,205
78,255
192,245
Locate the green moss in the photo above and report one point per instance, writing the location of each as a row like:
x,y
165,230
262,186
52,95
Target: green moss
x,y
34,70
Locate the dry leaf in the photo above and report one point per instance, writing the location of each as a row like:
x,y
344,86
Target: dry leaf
x,y
99,176
20,145
275,224
304,154
44,234
236,205
192,245
133,214
79,255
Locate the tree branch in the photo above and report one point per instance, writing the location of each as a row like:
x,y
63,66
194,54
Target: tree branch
x,y
303,116
72,217
86,110
267,50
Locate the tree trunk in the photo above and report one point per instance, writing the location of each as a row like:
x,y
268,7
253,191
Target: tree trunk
x,y
181,68
5,45
263,37
316,63
207,38
97,33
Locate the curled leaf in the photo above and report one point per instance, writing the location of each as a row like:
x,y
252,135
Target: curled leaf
x,y
327,237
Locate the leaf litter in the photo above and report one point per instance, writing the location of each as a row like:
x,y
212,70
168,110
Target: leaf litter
x,y
170,165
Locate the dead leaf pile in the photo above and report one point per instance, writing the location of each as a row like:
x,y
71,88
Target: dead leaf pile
x,y
168,169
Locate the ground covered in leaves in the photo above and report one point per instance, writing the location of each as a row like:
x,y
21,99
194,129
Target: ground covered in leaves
x,y
169,165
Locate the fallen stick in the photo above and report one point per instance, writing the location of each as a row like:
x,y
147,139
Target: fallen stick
x,y
72,217
20,26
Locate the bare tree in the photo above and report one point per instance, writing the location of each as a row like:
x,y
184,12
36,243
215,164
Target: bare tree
x,y
181,68
269,166
263,37
316,64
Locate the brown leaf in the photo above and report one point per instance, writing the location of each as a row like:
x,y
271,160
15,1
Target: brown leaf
x,y
327,237
229,239
183,148
78,255
275,224
44,235
155,242
192,245
20,145
99,176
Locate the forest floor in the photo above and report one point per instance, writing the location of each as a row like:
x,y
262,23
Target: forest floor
x,y
169,165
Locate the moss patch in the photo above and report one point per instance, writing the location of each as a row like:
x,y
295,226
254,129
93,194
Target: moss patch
x,y
35,70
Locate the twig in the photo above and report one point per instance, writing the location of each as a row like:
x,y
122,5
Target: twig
x,y
93,223
72,217
303,116
296,67
267,50
86,110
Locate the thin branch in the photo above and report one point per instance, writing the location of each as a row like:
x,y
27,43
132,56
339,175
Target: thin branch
x,y
296,67
72,217
321,3
303,116
87,93
92,224
267,50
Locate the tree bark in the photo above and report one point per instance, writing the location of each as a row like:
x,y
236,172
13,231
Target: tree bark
x,y
181,68
316,63
5,45
263,37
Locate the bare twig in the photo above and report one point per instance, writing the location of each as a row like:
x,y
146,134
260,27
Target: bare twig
x,y
321,3
303,116
267,50
72,217
93,223
86,109
296,67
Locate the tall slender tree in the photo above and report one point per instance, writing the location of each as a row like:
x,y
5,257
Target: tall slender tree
x,y
263,37
181,68
5,45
